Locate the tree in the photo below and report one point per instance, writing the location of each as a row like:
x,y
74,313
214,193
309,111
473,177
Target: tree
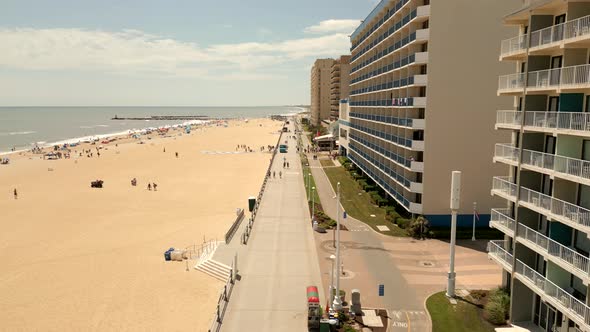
x,y
419,228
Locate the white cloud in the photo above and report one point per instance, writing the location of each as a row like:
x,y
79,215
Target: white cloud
x,y
136,52
331,26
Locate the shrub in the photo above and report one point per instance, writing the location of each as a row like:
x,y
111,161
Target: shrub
x,y
403,223
497,308
362,183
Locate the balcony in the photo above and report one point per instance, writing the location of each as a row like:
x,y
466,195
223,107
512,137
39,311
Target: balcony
x,y
557,79
547,38
554,251
503,187
566,123
570,214
556,296
513,83
513,48
415,208
417,166
571,169
500,255
502,220
506,154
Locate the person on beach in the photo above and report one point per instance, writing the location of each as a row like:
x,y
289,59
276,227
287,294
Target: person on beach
x,y
15,194
274,175
149,186
287,164
164,149
280,174
176,154
155,187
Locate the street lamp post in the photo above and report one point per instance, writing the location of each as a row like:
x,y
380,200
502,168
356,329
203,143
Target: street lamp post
x,y
455,199
474,210
332,258
337,304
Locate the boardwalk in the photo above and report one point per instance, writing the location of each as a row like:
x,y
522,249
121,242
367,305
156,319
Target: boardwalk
x,y
280,259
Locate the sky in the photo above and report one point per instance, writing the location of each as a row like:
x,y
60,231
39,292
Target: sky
x,y
168,53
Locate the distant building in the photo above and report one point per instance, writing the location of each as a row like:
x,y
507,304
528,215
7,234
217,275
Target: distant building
x,y
339,84
422,102
321,73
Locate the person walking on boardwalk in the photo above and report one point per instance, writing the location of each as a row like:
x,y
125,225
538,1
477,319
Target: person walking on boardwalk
x,y
15,194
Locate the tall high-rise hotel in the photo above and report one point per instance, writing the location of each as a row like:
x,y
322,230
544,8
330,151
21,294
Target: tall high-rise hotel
x,y
545,213
422,101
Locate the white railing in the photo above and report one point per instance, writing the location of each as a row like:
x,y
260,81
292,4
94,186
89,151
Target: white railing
x,y
547,35
502,218
513,45
574,75
560,164
578,121
559,120
560,296
496,249
503,185
577,28
572,213
541,79
554,248
511,81
506,151
509,118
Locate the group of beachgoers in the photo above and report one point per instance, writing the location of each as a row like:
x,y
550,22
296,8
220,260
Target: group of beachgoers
x,y
150,186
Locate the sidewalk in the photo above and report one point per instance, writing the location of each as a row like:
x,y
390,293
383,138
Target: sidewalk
x,y
279,260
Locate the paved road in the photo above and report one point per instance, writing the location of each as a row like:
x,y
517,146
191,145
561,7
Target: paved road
x,y
371,263
280,259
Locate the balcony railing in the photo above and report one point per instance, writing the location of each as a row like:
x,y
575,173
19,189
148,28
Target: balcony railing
x,y
577,28
576,121
560,164
552,34
559,297
504,186
513,45
567,212
511,82
496,250
555,249
506,151
502,219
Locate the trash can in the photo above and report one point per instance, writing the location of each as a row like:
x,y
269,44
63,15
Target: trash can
x,y
324,325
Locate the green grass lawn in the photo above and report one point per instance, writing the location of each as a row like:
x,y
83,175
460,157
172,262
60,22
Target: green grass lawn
x,y
326,162
360,206
306,172
458,318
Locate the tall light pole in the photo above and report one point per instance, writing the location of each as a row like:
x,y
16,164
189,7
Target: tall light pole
x,y
312,203
337,304
455,199
332,258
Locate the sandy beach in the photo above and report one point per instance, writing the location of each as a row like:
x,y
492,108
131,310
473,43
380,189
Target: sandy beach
x,y
76,258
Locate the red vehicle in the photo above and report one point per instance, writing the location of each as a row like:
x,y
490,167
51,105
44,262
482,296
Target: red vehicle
x,y
313,308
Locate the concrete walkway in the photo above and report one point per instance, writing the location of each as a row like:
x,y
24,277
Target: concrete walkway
x,y
410,270
280,259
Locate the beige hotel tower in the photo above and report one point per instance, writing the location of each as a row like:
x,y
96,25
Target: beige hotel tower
x,y
423,101
545,208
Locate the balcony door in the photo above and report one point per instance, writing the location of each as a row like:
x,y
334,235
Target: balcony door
x,y
553,104
556,62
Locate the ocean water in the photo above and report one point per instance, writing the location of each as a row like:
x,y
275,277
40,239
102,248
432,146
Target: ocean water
x,y
22,127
